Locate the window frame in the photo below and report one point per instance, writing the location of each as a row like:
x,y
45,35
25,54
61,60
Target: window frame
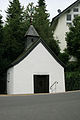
x,y
69,17
75,9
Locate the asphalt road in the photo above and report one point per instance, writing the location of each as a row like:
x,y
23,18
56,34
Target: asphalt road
x,y
41,107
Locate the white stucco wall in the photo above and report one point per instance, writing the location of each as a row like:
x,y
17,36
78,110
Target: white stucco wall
x,y
10,80
60,32
39,62
62,27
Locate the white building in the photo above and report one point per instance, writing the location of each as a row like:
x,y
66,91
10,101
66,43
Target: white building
x,y
61,22
37,70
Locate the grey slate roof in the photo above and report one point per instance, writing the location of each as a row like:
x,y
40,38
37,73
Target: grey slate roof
x,y
32,32
64,11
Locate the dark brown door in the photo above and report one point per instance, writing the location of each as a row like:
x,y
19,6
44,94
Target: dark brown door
x,y
41,83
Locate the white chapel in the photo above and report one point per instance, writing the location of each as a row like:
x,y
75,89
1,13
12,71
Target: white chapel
x,y
36,70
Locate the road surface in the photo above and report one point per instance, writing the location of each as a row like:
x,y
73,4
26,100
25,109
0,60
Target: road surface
x,y
63,106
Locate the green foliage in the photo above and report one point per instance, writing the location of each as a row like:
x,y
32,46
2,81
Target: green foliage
x,y
72,76
13,31
41,3
3,83
40,19
1,45
53,26
72,66
42,25
73,39
29,12
72,80
28,15
73,48
14,12
2,61
64,57
1,28
12,44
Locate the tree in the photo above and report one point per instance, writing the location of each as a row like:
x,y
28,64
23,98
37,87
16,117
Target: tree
x,y
73,49
42,25
29,13
1,40
41,3
73,38
72,81
1,28
38,16
13,31
64,57
2,61
12,43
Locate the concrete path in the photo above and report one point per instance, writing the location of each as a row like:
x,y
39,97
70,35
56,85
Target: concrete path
x,y
41,107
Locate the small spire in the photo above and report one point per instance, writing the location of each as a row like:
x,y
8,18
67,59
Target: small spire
x,y
32,32
31,36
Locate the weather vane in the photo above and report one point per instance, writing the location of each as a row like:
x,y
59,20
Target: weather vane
x,y
31,14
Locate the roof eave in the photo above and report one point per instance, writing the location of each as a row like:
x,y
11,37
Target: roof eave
x,y
64,11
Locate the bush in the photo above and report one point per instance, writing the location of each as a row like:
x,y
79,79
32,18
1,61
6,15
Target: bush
x,y
64,57
72,81
72,66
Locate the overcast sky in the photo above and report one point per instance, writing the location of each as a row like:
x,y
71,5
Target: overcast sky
x,y
52,5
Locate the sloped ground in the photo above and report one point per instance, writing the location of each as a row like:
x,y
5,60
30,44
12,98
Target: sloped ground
x,y
63,106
